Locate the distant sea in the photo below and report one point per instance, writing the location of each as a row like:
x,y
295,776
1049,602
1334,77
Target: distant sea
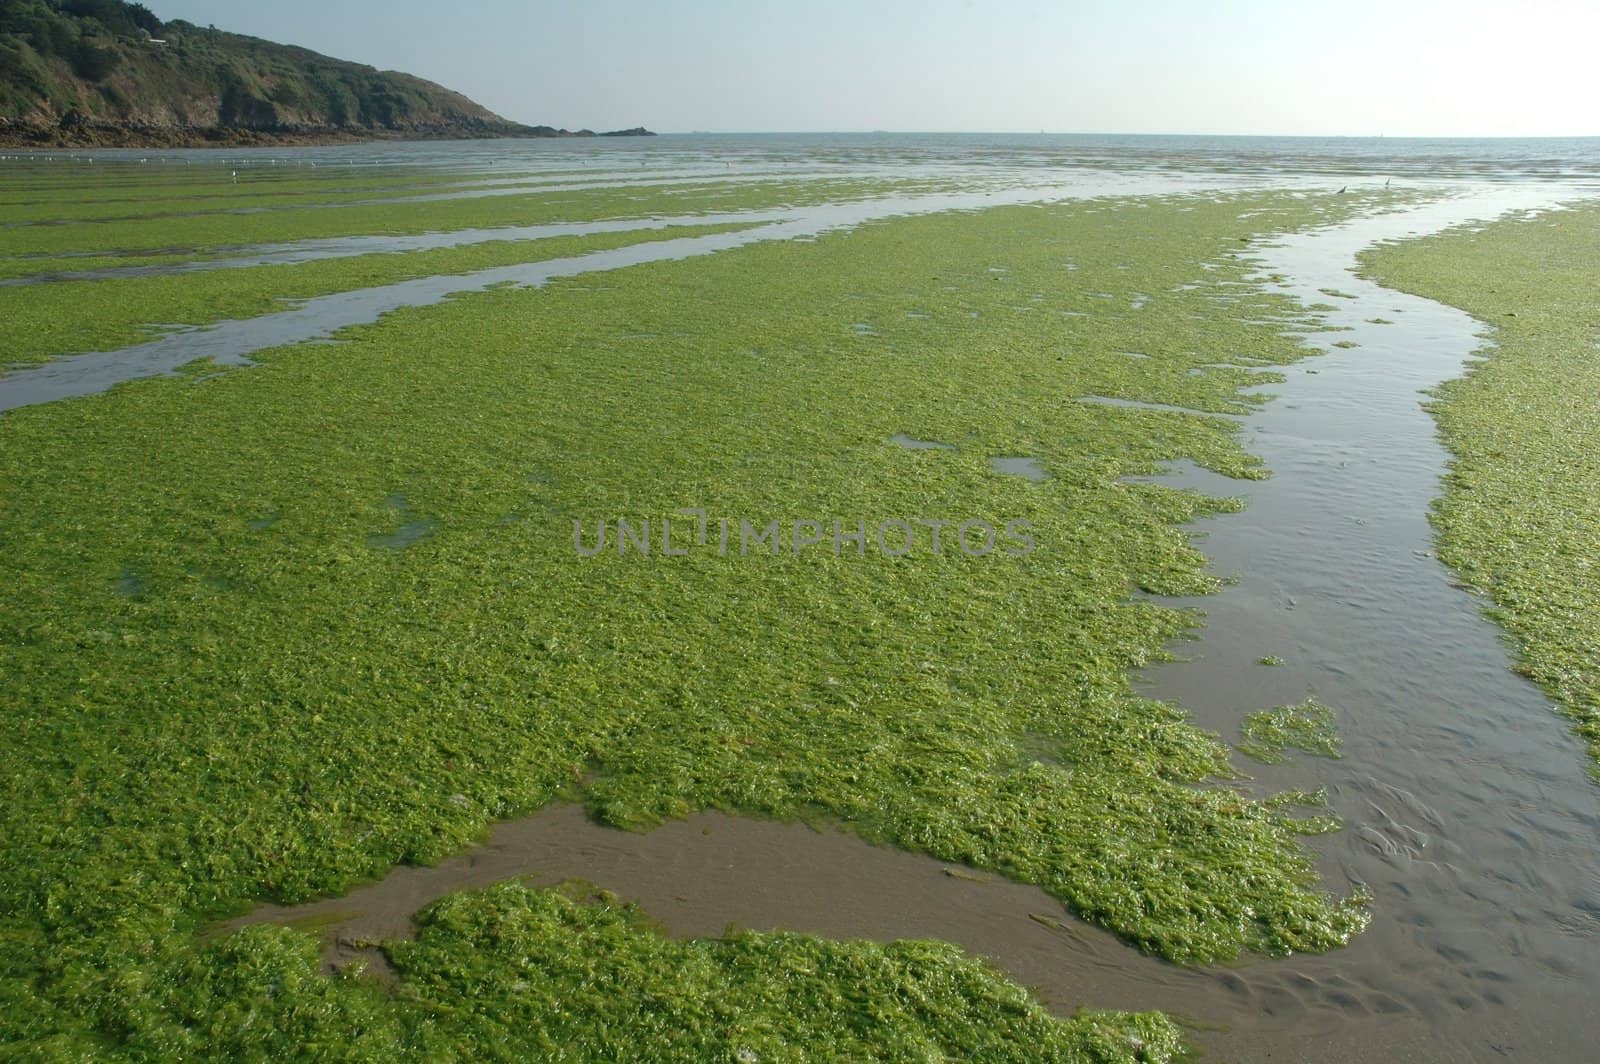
x,y
1565,158
1556,157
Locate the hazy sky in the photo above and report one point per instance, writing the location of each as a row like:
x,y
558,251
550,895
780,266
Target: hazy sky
x,y
1355,67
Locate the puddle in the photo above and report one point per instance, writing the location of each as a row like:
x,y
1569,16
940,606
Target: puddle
x,y
405,536
700,875
412,529
1027,468
902,440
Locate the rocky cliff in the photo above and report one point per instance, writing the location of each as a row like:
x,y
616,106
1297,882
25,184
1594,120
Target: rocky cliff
x,y
105,72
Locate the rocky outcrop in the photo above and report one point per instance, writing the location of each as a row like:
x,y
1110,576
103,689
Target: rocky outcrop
x,y
107,73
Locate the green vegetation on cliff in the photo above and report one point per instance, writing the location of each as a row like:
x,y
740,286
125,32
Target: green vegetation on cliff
x,y
104,71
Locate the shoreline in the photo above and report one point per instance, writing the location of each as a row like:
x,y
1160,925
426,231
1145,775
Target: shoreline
x,y
14,134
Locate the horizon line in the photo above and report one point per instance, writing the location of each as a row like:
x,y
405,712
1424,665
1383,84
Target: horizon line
x,y
1108,133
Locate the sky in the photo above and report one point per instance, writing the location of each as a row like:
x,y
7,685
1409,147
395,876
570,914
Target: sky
x,y
1348,68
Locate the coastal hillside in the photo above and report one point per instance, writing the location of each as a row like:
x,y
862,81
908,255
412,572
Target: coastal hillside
x,y
105,72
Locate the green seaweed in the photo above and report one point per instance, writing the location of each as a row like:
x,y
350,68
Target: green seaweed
x,y
1307,726
511,973
284,710
533,974
38,249
46,320
111,190
1317,824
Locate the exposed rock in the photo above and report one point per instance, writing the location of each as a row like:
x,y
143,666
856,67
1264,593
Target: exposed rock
x,y
120,78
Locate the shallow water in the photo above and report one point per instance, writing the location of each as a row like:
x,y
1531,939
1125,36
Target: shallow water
x,y
1501,158
411,529
1467,809
522,185
347,246
900,439
1027,468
